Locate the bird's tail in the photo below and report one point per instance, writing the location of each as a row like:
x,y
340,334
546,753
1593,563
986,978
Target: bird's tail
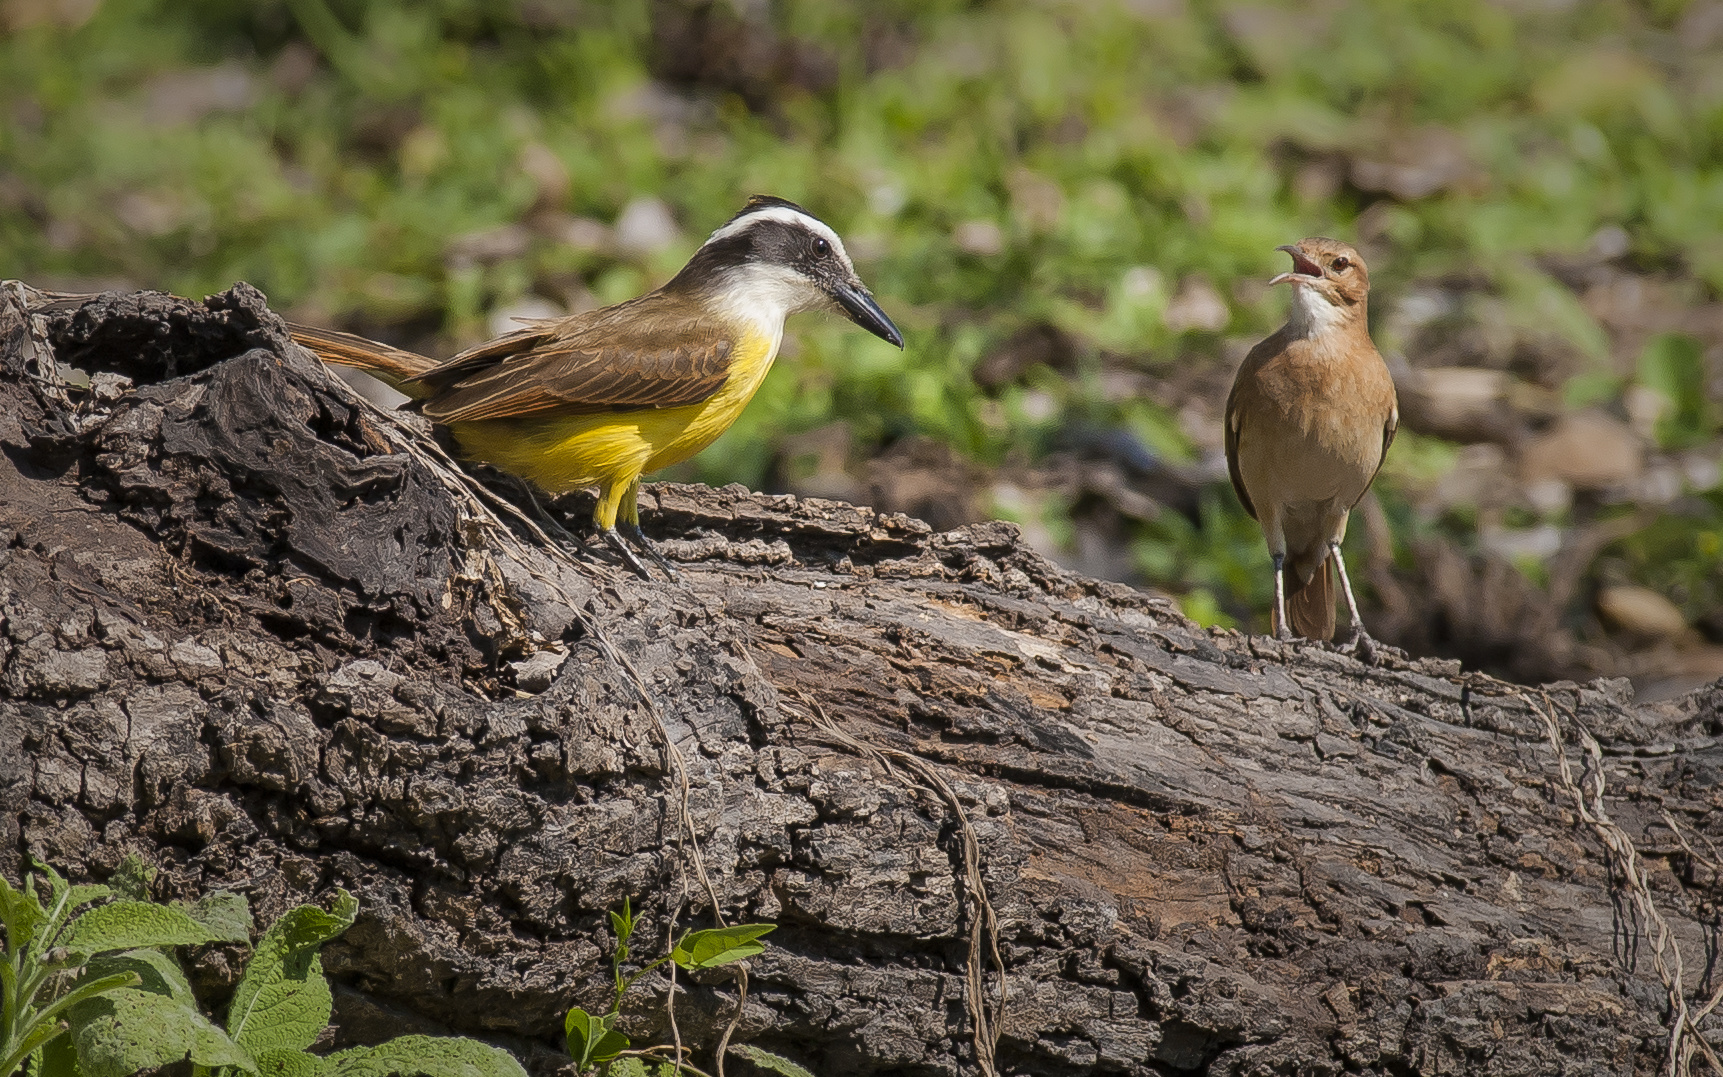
x,y
395,366
1310,606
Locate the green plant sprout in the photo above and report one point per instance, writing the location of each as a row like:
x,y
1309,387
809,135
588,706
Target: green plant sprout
x,y
129,1007
61,966
593,1040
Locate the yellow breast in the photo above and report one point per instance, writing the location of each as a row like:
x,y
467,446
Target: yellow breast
x,y
571,452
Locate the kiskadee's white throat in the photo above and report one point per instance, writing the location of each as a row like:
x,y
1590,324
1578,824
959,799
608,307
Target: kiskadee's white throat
x,y
601,398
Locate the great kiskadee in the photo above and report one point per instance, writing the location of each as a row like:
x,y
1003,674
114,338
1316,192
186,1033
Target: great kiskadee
x,y
601,398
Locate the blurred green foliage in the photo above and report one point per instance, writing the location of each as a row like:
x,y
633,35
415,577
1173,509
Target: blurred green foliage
x,y
1674,368
1681,556
1116,151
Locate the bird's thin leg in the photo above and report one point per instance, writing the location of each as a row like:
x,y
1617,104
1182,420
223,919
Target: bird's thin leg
x,y
615,542
1281,631
617,499
1359,634
628,523
631,530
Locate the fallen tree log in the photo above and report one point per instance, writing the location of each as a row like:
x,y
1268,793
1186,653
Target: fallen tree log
x,y
1006,818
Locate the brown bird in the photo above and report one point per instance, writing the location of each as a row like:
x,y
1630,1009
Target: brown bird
x,y
1308,424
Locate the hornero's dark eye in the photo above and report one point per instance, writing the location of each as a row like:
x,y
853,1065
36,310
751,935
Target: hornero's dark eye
x,y
1340,264
821,247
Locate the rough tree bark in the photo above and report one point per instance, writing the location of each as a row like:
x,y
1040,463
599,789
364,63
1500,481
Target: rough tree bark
x,y
263,635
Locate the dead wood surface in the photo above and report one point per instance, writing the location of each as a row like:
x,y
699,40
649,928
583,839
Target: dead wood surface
x,y
259,633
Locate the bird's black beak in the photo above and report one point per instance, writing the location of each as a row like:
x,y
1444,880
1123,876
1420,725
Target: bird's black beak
x,y
863,311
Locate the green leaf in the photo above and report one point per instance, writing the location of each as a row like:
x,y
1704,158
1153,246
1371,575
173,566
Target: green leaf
x,y
768,1061
1673,366
56,910
423,1056
128,925
622,923
626,1067
58,1058
37,1039
622,926
719,945
157,972
79,896
57,885
591,1039
227,916
283,1001
288,1064
83,992
129,1030
22,915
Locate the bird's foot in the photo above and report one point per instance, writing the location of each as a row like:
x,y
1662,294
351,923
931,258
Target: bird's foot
x,y
1359,643
1284,634
1367,648
614,541
632,532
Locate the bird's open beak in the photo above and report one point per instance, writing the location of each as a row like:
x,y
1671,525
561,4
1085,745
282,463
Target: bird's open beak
x,y
863,311
1304,270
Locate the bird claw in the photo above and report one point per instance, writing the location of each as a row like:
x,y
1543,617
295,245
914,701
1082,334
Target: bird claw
x,y
1365,647
614,541
650,549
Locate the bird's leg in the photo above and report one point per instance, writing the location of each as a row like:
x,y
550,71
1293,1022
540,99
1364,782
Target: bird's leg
x,y
629,525
614,541
1281,631
613,498
574,542
1359,635
631,530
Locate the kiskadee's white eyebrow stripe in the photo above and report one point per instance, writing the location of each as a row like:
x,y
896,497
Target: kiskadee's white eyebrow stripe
x,y
783,215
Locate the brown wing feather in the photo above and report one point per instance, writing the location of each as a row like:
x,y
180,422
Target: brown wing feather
x,y
1232,459
1264,351
574,382
646,353
481,357
1390,427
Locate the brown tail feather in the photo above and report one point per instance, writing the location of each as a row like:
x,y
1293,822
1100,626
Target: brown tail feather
x,y
1310,606
395,366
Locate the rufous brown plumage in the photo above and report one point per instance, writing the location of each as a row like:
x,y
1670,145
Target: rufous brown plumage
x,y
1308,423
